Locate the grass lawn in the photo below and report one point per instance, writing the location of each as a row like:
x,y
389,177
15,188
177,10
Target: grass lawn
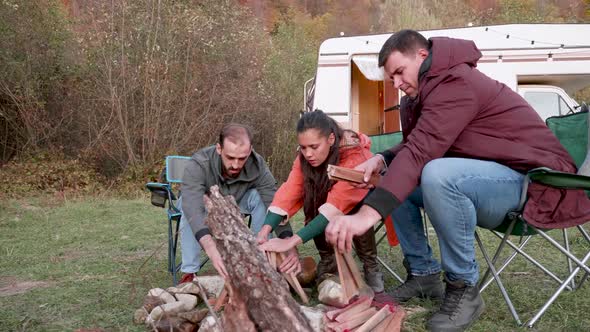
x,y
67,265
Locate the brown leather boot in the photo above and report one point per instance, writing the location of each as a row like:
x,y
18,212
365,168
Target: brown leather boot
x,y
326,267
366,249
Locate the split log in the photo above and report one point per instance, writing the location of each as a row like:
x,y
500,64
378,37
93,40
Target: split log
x,y
354,321
359,306
221,299
395,325
349,287
254,282
377,318
291,278
350,276
382,327
339,173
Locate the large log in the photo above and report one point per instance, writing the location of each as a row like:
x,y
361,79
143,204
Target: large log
x,y
254,282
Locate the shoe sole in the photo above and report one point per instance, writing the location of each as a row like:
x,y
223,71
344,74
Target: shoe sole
x,y
478,313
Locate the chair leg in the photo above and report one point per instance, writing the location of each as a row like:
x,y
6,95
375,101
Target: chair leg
x,y
584,278
506,262
562,249
585,234
171,252
389,269
570,268
500,247
381,261
533,320
175,267
496,277
533,261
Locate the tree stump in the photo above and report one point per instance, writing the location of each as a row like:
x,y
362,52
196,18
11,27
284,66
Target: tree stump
x,y
254,282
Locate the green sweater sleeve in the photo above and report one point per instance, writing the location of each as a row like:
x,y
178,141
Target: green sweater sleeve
x,y
313,228
273,219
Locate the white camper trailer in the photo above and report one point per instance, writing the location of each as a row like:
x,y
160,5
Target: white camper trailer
x,y
545,63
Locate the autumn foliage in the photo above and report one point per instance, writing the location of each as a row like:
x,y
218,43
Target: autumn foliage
x,y
120,84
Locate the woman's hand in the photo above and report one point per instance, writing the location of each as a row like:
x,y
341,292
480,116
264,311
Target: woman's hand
x,y
262,236
373,165
278,245
291,263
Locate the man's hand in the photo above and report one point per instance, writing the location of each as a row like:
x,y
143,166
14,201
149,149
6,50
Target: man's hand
x,y
210,248
291,264
373,165
262,236
342,229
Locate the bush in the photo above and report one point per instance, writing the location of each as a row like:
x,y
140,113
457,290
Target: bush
x,y
47,173
35,52
164,78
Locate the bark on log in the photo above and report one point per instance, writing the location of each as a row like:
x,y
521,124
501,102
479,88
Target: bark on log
x,y
261,288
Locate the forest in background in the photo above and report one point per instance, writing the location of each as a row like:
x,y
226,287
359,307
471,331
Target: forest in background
x,y
98,92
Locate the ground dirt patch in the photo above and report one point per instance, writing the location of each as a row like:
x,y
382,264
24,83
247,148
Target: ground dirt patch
x,y
11,286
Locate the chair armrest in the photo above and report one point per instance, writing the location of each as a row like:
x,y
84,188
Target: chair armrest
x,y
161,192
157,185
559,179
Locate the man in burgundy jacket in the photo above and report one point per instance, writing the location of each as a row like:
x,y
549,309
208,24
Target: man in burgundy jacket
x,y
468,141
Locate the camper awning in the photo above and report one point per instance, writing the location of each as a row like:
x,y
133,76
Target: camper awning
x,y
367,64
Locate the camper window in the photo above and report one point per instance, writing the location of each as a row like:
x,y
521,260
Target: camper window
x,y
547,103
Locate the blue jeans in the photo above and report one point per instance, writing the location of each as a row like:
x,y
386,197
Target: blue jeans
x,y
251,203
457,195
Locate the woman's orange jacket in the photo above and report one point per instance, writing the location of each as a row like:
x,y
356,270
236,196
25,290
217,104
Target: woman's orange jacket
x,y
342,197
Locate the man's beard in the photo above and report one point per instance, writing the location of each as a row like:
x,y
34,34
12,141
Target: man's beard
x,y
227,173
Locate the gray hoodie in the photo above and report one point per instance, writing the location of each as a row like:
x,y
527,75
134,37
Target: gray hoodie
x,y
204,171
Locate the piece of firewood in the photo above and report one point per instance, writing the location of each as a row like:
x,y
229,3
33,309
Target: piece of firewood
x,y
349,286
354,270
382,327
262,290
195,315
362,286
354,321
272,258
292,280
359,305
354,309
350,175
375,319
395,325
221,299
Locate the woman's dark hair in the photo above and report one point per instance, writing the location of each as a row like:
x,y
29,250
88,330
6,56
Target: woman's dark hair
x,y
316,184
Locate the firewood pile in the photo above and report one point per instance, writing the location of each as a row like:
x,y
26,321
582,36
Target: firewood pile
x,y
357,313
256,296
360,316
175,308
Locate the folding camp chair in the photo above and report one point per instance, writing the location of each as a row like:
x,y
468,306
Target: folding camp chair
x,y
572,131
163,192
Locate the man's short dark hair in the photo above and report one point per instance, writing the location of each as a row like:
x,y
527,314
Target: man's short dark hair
x,y
235,132
405,41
